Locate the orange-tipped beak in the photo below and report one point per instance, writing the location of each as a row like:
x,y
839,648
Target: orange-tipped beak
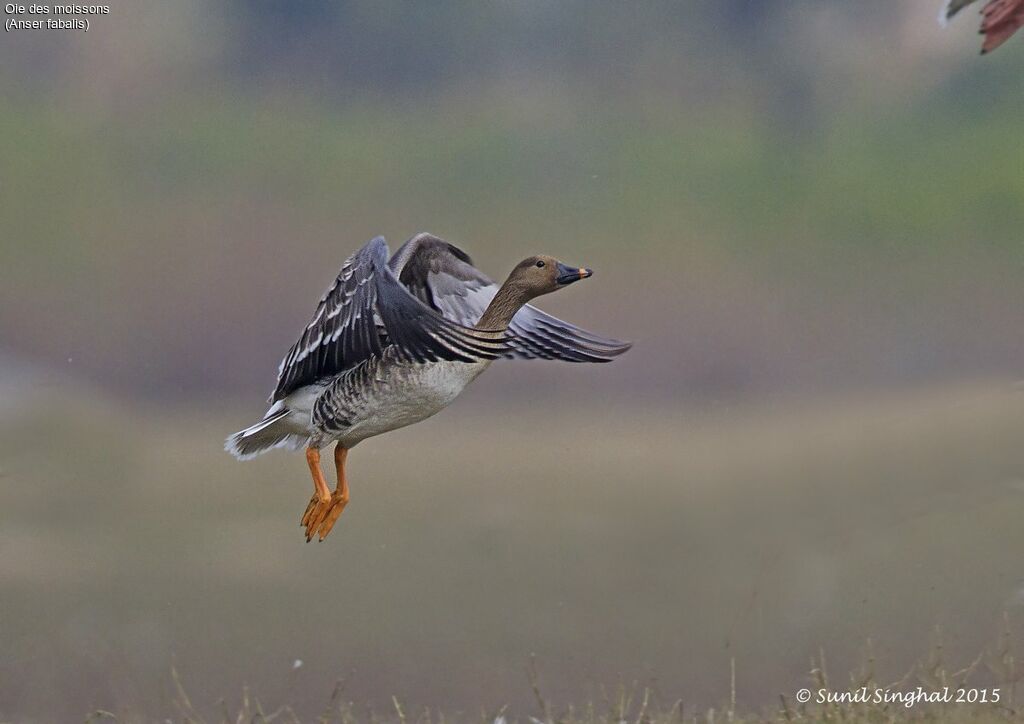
x,y
568,274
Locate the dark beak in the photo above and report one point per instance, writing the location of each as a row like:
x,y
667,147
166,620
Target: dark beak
x,y
568,274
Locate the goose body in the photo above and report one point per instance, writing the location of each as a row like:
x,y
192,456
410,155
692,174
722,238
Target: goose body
x,y
376,396
381,394
393,342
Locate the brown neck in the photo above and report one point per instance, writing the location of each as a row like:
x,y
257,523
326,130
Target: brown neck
x,y
509,300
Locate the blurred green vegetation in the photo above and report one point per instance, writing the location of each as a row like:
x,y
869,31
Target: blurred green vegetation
x,y
813,197
935,176
129,225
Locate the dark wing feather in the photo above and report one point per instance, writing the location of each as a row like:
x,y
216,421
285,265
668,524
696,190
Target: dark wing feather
x,y
342,331
443,276
367,309
421,334
538,334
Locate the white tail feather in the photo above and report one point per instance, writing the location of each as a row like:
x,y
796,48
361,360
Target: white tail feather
x,y
269,433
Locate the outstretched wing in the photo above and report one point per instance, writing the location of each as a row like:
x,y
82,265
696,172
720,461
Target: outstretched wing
x,y
442,276
367,309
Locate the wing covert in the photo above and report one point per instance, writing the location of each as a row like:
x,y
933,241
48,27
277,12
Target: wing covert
x,y
443,276
366,310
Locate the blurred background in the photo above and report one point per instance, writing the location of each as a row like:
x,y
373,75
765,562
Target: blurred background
x,y
806,215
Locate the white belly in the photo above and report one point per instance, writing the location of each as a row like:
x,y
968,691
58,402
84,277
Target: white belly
x,y
407,394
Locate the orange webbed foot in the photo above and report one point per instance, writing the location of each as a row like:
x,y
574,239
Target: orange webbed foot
x,y
325,507
321,515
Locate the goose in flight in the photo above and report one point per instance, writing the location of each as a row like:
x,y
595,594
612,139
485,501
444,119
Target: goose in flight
x,y
1000,19
393,342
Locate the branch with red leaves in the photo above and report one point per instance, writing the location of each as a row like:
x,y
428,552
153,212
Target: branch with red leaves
x,y
999,19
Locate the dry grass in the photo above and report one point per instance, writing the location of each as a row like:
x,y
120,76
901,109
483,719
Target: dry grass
x,y
995,667
618,544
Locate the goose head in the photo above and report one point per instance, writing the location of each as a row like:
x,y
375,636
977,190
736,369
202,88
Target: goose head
x,y
542,274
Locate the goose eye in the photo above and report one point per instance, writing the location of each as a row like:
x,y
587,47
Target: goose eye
x,y
540,264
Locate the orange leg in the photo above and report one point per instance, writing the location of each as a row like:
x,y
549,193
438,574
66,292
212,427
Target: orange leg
x,y
325,508
319,483
321,493
340,497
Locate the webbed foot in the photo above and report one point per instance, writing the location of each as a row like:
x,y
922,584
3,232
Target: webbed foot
x,y
321,515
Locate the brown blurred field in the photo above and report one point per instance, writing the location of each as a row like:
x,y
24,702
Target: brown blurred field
x,y
618,544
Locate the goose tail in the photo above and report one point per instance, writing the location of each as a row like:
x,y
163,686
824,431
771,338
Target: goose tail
x,y
271,432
